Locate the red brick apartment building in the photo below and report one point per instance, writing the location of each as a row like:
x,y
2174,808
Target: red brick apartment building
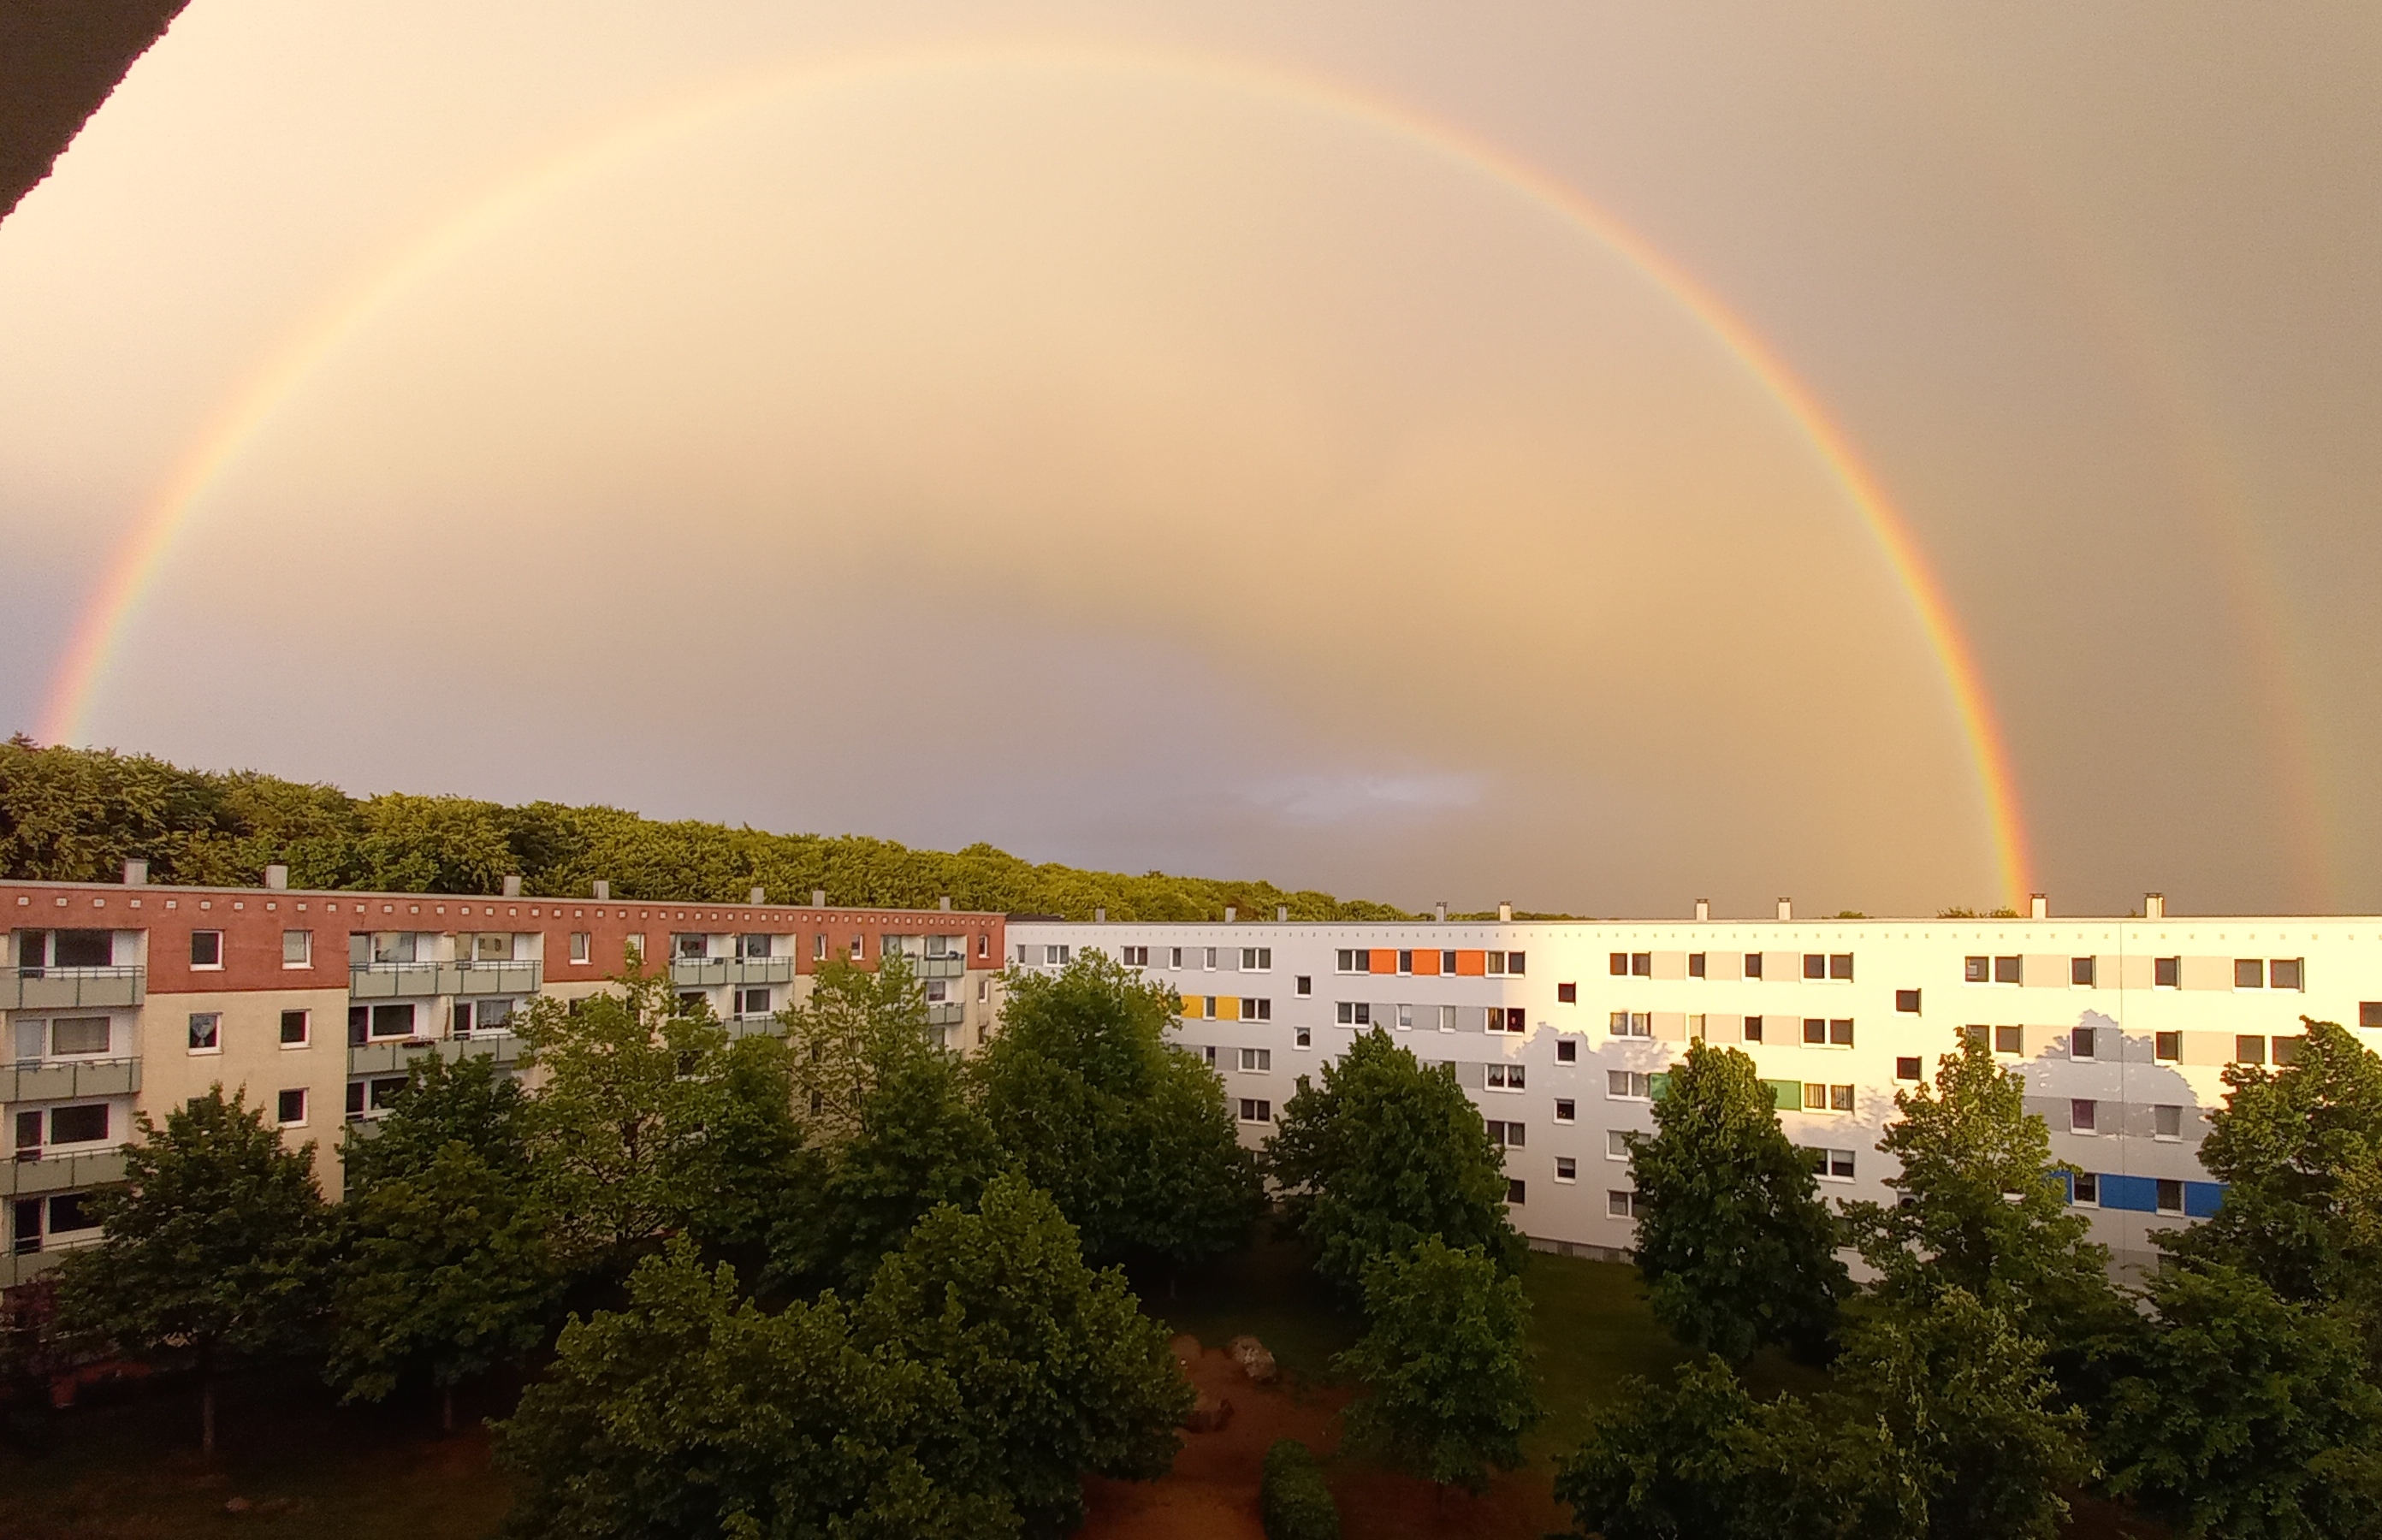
x,y
125,998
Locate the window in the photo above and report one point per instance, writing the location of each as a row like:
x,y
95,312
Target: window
x,y
207,1032
1174,958
297,1028
1818,1097
755,1002
2087,1190
2167,972
1567,1169
1303,1037
2248,972
692,949
2084,971
759,946
1754,965
1907,1068
2166,1122
1356,1013
1255,1111
1513,965
2083,1116
1506,1136
1567,993
1840,1031
297,948
290,1109
1632,1023
1641,965
1516,1018
1306,986
1133,957
860,944
1208,1055
206,948
1057,956
1568,1051
1840,966
2369,1013
2170,1195
1406,1018
1978,970
74,1036
2287,1049
1503,1077
392,1020
2167,1046
1907,1001
984,989
1517,1190
1837,1165
1447,1018
2083,1043
1405,963
2009,1039
1618,964
1625,1085
1753,1029
1567,1110
78,1125
2284,973
1256,1010
2009,970
1256,1061
1447,961
1493,962
1815,965
1695,965
2249,1049
1620,1204
1351,960
1208,965
582,945
1257,960
1616,1145
633,946
1815,1029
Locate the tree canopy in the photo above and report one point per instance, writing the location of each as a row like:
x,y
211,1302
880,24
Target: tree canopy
x,y
1448,1387
1737,1247
77,814
1384,1153
1127,1132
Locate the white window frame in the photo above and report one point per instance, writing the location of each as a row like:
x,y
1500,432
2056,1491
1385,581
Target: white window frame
x,y
305,1029
214,967
213,1020
305,1106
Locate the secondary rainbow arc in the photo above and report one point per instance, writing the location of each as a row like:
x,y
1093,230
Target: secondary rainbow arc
x,y
99,631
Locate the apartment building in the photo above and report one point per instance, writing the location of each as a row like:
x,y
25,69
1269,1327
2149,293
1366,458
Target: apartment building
x,y
1562,1033
132,998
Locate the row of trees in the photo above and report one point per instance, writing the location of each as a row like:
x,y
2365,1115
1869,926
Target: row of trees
x,y
78,815
1993,1366
849,1276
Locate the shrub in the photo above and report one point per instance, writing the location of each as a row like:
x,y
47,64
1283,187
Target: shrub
x,y
1297,1503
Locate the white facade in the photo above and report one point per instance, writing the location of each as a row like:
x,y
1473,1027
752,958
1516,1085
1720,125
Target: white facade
x,y
2121,1028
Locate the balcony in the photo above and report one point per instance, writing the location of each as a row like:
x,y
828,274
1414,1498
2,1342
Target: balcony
x,y
400,981
60,1173
951,1013
711,972
391,1055
73,988
17,1267
58,1080
947,967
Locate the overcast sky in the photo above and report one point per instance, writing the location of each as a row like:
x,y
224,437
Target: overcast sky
x,y
1245,439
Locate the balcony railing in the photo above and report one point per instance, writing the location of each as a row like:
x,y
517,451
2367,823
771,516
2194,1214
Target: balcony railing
x,y
391,1055
58,1079
951,1013
60,1173
73,988
17,1267
398,980
710,972
948,967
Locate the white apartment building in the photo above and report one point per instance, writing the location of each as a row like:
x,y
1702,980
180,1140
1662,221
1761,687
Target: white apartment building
x,y
1562,1032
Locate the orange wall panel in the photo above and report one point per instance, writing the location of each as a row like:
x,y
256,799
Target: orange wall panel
x,y
1472,965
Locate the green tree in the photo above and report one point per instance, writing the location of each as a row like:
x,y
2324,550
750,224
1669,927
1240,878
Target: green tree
x,y
1060,1373
617,1124
1448,1390
694,1415
1384,1153
2299,1148
468,1101
1128,1133
443,1273
1702,1460
1735,1244
2246,1413
857,1026
751,1167
210,1249
1984,1208
1965,1396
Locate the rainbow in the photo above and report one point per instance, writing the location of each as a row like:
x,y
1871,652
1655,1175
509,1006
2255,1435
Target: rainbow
x,y
99,631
